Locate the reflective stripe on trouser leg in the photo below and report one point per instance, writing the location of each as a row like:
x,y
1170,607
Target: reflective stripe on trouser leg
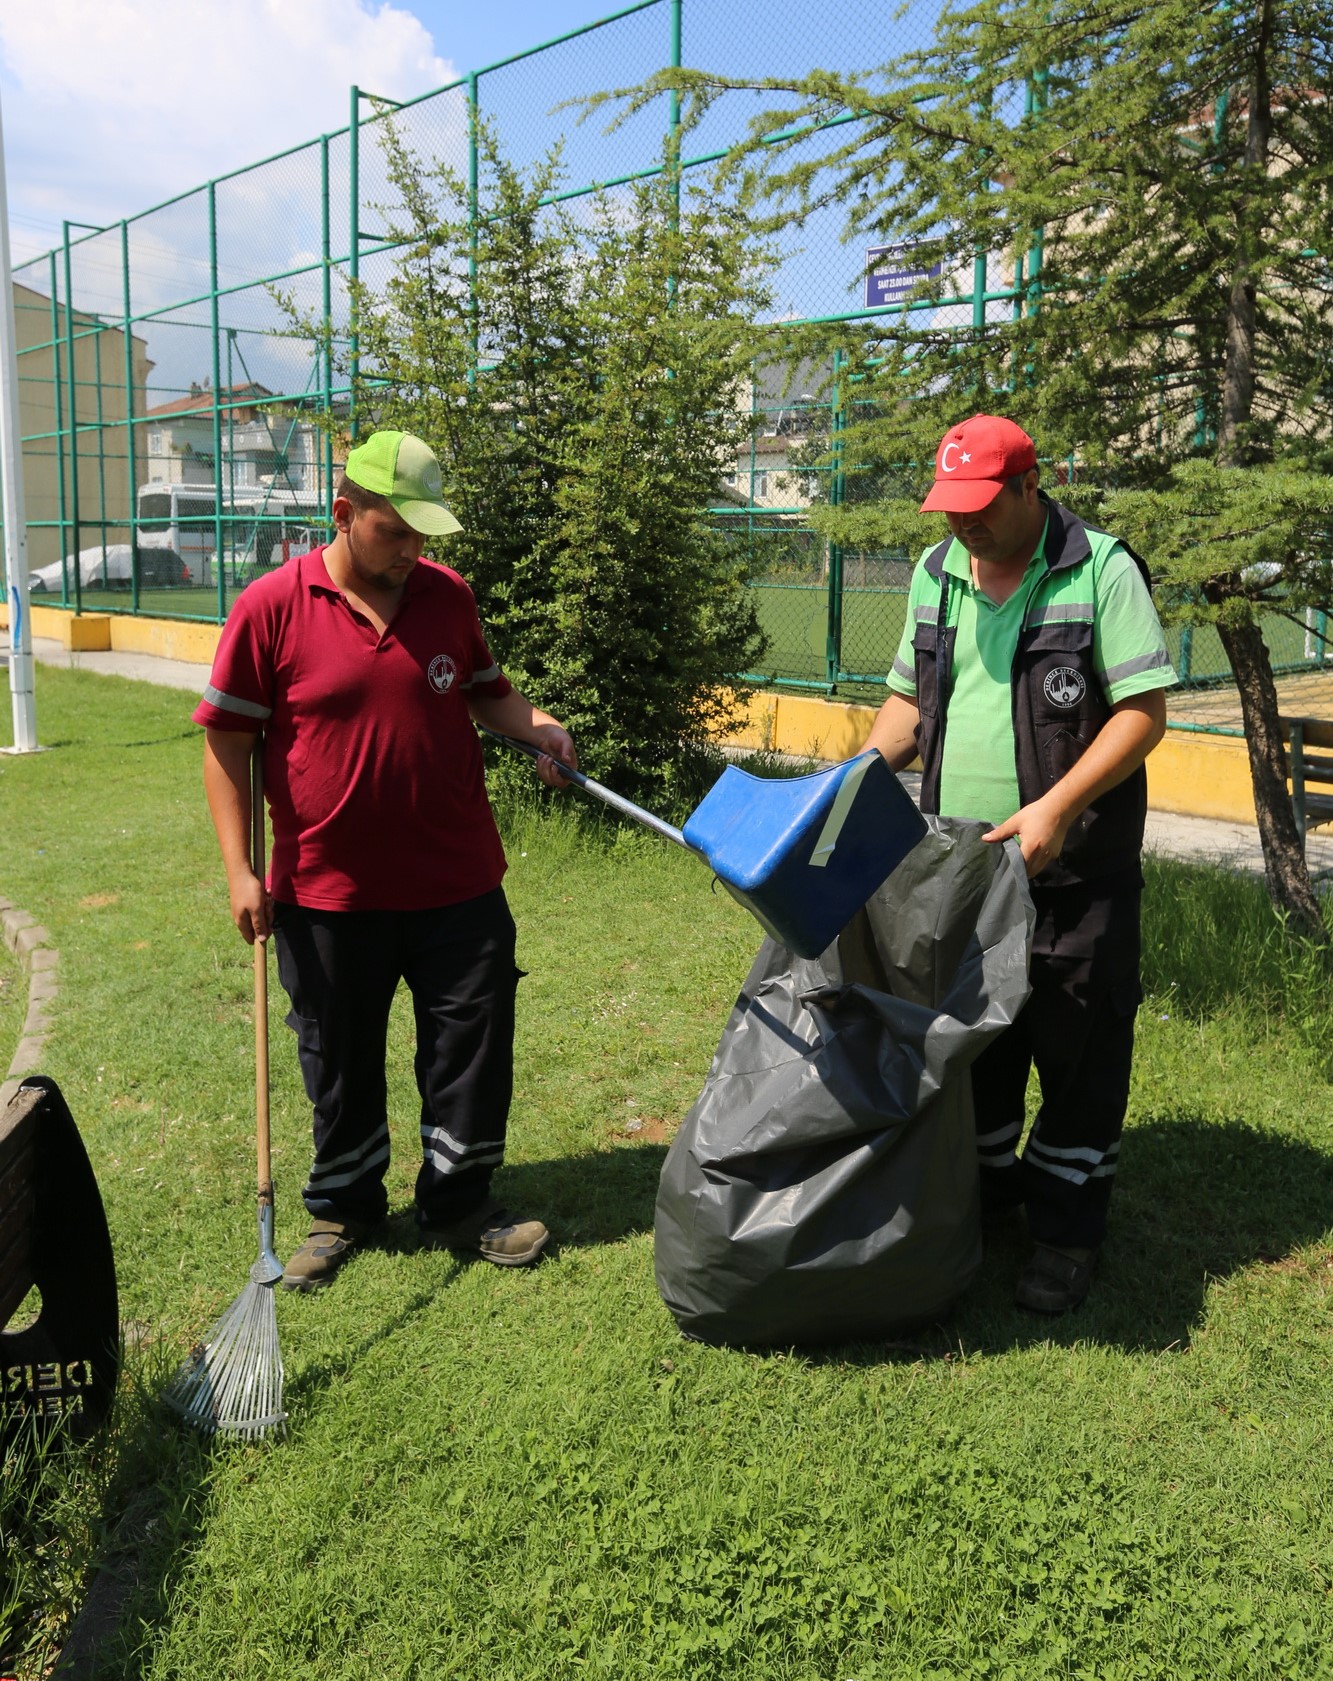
x,y
461,973
999,1097
1079,1026
340,971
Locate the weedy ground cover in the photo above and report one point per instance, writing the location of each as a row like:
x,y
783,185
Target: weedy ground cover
x,y
532,1474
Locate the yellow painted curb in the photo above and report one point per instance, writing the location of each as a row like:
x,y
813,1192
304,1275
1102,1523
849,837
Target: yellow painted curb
x,y
1201,776
79,632
809,729
169,639
96,633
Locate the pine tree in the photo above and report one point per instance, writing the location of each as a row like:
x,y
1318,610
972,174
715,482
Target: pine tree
x,y
1153,181
580,373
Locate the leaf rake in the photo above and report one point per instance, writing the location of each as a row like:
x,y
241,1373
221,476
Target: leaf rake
x,y
231,1383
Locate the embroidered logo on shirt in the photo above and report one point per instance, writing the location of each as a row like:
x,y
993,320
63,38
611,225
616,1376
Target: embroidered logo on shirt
x,y
1064,686
442,672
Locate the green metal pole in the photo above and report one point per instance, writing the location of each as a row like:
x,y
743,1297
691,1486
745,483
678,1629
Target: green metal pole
x,y
215,325
979,261
59,404
473,203
326,303
354,253
673,132
837,486
231,452
132,465
1037,95
101,445
73,428
979,291
1186,653
749,488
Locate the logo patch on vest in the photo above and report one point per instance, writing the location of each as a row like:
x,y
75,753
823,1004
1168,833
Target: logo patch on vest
x,y
442,672
1064,686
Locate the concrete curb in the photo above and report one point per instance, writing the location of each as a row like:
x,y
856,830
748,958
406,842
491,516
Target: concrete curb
x,y
40,961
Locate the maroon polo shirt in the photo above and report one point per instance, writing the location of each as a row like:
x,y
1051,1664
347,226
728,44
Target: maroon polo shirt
x,y
372,767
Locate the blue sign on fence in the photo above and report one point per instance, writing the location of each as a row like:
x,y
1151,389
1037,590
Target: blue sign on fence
x,y
891,273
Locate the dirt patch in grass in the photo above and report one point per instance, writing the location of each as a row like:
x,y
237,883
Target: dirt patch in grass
x,y
647,1129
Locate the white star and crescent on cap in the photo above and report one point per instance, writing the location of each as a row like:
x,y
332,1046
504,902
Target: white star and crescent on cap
x,y
945,465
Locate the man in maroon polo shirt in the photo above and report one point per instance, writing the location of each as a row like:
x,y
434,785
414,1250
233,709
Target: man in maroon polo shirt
x,y
364,665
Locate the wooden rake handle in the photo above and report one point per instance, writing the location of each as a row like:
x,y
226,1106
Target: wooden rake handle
x,y
261,983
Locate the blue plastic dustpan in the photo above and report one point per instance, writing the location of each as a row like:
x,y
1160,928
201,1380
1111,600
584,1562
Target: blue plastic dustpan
x,y
803,853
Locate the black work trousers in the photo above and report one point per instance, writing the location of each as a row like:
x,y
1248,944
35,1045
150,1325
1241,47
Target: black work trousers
x,y
1077,1028
341,970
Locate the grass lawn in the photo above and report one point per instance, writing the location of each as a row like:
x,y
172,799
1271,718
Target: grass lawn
x,y
530,1474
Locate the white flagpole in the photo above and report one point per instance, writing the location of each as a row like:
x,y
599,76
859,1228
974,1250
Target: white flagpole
x,y
11,496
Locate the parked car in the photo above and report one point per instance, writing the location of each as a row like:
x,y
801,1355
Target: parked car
x,y
107,566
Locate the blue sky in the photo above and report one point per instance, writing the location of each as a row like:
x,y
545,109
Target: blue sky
x,y
479,34
110,108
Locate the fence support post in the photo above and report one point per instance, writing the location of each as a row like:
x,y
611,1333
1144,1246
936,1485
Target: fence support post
x,y
673,117
354,253
216,329
73,427
833,639
326,303
473,205
58,411
131,464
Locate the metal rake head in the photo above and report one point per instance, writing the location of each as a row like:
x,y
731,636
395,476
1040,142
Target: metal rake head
x,y
231,1384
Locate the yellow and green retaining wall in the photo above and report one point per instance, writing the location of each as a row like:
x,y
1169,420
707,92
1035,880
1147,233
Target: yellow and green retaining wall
x,y
1198,774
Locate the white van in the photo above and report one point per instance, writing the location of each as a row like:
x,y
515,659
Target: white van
x,y
259,531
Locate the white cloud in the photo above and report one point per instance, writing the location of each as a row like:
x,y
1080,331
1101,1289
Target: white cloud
x,y
113,106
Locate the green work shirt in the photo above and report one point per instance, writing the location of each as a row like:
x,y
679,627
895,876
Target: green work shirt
x,y
978,772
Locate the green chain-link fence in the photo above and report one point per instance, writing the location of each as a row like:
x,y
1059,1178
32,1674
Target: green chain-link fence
x,y
167,403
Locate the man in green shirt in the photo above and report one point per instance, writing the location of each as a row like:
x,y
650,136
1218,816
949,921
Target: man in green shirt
x,y
1030,679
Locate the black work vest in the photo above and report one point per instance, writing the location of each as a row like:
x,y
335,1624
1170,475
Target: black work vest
x,y
1058,707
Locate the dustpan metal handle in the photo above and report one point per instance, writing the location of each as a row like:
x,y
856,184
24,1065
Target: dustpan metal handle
x,y
618,802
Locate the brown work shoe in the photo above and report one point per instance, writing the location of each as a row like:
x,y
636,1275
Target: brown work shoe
x,y
329,1244
494,1234
1055,1280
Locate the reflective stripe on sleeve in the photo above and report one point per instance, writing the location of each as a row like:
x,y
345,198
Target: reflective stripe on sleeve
x,y
1158,660
233,703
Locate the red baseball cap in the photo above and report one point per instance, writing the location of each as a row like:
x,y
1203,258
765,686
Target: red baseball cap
x,y
973,461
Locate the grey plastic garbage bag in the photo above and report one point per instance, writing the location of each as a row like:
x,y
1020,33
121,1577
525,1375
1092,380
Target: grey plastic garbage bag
x,y
823,1188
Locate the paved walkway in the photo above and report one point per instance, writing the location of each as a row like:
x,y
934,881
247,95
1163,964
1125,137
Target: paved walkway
x,y
1234,844
147,668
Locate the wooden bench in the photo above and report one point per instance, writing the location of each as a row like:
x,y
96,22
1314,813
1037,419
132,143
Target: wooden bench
x,y
61,1368
1310,768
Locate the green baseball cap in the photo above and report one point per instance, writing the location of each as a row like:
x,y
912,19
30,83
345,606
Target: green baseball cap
x,y
402,469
